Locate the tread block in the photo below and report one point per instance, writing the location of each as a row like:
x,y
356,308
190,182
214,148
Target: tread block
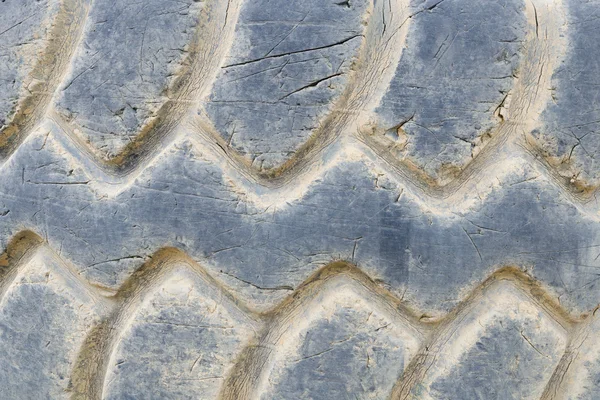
x,y
24,29
129,57
569,125
179,343
503,346
289,63
45,313
341,343
452,80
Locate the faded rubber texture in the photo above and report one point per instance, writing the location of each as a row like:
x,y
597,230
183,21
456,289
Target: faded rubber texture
x,y
324,199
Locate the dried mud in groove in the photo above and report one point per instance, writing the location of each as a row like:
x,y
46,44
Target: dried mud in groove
x,y
211,40
47,74
542,51
557,358
379,54
252,366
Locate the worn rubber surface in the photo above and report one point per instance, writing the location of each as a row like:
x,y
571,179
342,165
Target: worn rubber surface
x,y
299,199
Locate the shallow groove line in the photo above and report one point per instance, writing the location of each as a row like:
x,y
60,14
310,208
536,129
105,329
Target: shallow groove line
x,y
261,195
27,245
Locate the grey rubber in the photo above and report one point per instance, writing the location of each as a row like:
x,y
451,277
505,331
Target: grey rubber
x,y
227,199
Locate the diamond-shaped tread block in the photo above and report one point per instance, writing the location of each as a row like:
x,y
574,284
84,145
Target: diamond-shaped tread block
x,y
345,346
124,69
25,28
45,313
179,342
452,84
288,66
502,345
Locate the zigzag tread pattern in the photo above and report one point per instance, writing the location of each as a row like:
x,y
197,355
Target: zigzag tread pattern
x,y
198,179
173,331
542,49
